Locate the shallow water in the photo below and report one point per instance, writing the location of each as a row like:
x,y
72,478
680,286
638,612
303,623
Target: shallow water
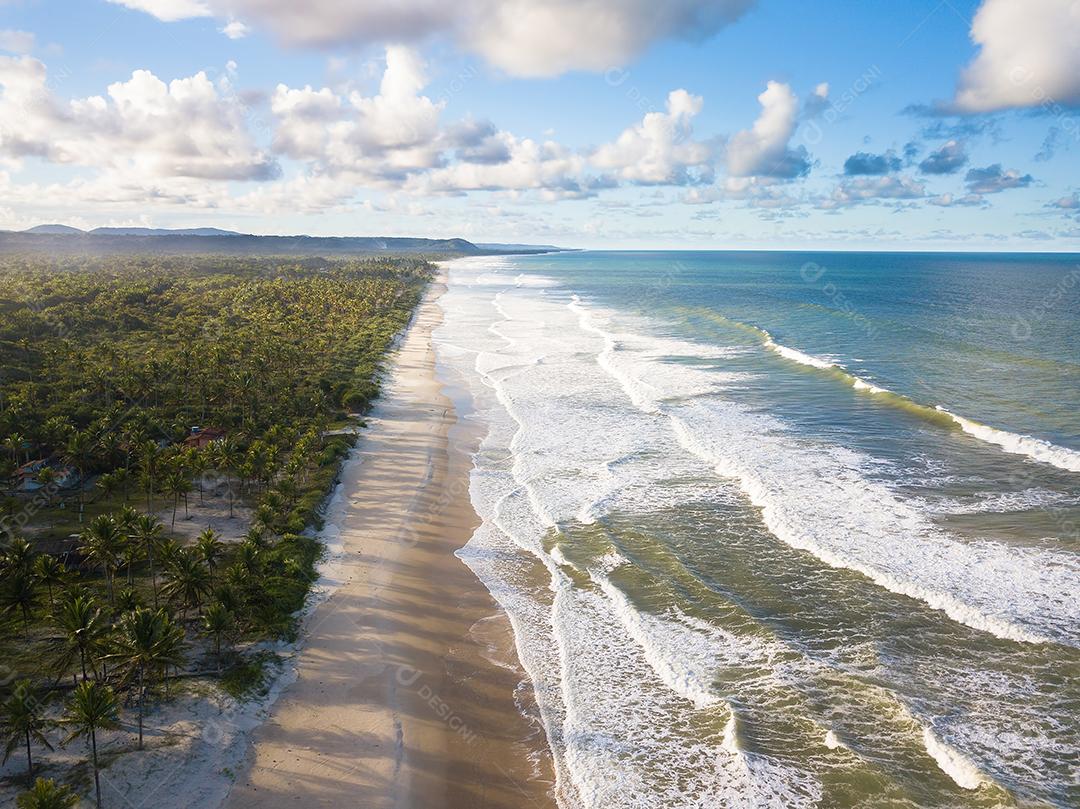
x,y
781,530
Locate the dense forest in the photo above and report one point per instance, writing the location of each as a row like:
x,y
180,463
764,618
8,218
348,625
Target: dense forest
x,y
144,401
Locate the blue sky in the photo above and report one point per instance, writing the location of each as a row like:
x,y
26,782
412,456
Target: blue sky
x,y
607,123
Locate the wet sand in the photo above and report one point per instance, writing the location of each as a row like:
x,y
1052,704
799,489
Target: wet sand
x,y
405,695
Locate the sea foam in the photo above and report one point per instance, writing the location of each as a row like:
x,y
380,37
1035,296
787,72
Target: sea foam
x,y
555,385
952,762
818,499
1035,448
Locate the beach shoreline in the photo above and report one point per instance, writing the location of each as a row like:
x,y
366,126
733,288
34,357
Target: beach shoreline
x,y
407,684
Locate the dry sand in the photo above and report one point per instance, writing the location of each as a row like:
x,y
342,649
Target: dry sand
x,y
405,694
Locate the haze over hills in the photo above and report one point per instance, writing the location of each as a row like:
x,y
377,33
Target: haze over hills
x,y
163,232
55,230
64,239
503,247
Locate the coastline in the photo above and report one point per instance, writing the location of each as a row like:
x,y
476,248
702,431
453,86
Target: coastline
x,y
406,681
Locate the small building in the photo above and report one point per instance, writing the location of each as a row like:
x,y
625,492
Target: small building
x,y
26,476
201,437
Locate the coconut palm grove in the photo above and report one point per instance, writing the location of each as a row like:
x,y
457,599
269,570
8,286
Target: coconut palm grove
x,y
143,401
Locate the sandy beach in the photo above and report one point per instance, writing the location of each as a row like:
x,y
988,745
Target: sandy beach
x,y
405,692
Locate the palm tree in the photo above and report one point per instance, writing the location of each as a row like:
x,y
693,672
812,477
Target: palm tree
x,y
49,570
148,454
210,548
19,555
14,443
217,621
147,531
9,507
168,550
121,478
226,456
47,794
256,537
128,600
146,642
196,462
19,592
24,723
249,556
107,485
178,485
92,707
46,476
127,518
84,631
79,453
188,581
57,430
103,544
225,594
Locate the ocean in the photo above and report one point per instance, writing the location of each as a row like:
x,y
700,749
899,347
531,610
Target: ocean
x,y
783,529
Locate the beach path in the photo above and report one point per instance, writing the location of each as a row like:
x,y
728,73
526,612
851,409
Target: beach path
x,y
405,688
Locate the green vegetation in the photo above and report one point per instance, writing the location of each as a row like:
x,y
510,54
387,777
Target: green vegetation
x,y
47,794
140,400
248,676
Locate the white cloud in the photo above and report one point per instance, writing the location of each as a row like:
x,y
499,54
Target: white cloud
x,y
385,136
873,189
1069,203
235,29
185,128
548,167
948,200
993,180
395,139
1030,55
660,149
949,159
169,10
763,149
522,37
547,37
16,41
180,143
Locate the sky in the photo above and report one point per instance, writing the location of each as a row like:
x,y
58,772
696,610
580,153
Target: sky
x,y
621,124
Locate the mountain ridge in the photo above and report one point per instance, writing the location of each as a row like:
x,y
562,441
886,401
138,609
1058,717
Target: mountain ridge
x,y
65,239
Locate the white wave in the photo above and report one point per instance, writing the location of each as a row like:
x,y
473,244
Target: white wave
x,y
682,660
846,521
1005,502
563,444
821,363
615,748
820,500
832,741
731,734
1034,448
800,357
534,281
869,387
952,762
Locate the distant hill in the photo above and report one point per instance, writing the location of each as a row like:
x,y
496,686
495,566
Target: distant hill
x,y
53,229
62,239
163,232
112,244
500,247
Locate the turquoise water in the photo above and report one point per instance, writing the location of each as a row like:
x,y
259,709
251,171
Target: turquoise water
x,y
784,529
